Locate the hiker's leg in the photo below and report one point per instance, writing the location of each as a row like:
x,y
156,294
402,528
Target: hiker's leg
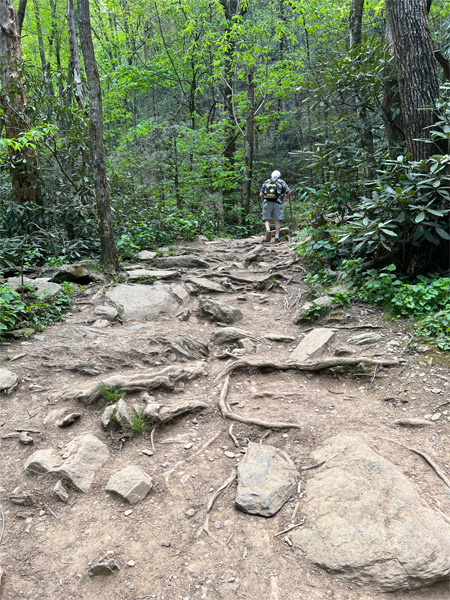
x,y
277,228
267,224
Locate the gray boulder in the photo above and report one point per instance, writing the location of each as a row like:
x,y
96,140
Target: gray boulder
x,y
228,335
44,287
254,254
146,255
322,302
365,338
131,484
218,311
313,344
267,478
366,521
137,302
42,461
184,262
204,284
8,380
106,312
86,455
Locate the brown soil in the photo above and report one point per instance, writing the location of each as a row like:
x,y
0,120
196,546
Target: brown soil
x,y
46,549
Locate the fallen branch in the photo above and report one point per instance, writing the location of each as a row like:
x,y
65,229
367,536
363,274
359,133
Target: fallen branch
x,y
291,527
228,414
316,466
205,526
439,472
233,437
3,526
326,363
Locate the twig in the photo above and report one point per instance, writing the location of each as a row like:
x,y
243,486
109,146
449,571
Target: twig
x,y
29,430
294,514
49,509
214,497
233,437
291,527
316,466
227,414
325,363
439,472
3,526
168,473
152,433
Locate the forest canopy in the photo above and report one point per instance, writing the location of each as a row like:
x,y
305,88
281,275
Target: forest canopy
x,y
198,102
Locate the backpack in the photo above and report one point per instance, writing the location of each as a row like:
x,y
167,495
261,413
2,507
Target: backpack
x,y
272,191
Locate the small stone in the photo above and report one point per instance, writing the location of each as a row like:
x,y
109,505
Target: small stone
x,y
435,390
108,567
190,512
217,525
22,498
231,579
166,543
229,454
435,417
187,446
128,512
25,438
106,312
130,483
131,563
60,492
148,452
68,419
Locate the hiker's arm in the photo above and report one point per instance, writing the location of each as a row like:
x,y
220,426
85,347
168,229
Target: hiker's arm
x,y
288,196
261,196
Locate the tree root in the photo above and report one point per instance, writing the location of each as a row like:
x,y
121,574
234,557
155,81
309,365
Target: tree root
x,y
325,363
233,437
228,414
205,526
167,378
206,445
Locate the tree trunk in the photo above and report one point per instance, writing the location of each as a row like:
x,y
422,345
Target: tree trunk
x,y
13,100
416,71
249,142
355,21
54,39
21,13
45,65
74,56
108,246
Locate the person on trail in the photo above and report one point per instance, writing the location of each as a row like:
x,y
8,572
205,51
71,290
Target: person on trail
x,y
272,196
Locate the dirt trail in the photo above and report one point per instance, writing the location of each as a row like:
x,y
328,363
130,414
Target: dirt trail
x,y
47,548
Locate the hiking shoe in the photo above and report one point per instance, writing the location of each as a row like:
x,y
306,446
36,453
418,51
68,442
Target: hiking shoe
x,y
268,236
277,240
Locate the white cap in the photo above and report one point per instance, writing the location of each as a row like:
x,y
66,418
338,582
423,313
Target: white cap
x,y
276,175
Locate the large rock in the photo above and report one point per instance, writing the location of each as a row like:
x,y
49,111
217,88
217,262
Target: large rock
x,y
106,312
87,454
8,380
254,254
267,478
218,311
137,274
44,287
313,344
131,484
228,335
185,262
80,272
366,521
137,302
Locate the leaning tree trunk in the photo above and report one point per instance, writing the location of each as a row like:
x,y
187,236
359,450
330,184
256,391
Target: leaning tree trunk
x,y
13,100
108,246
416,71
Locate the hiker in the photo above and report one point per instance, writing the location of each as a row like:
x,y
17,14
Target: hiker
x,y
272,196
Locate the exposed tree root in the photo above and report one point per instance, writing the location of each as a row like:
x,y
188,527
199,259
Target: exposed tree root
x,y
228,414
233,437
167,378
205,526
326,363
293,526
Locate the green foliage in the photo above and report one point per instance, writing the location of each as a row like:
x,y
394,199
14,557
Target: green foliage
x,y
111,394
140,421
27,308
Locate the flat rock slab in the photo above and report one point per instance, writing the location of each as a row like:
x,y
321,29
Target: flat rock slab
x,y
146,255
43,286
131,484
137,302
186,262
8,380
206,284
218,311
366,521
279,337
313,344
42,461
228,335
79,332
87,454
267,478
365,338
156,274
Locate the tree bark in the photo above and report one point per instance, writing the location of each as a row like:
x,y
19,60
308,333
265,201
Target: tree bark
x,y
13,100
45,65
355,22
21,13
416,71
74,55
108,246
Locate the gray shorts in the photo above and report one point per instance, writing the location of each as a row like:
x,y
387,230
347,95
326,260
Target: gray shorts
x,y
272,210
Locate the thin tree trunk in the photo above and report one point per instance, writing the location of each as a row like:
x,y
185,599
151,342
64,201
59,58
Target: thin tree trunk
x,y
55,39
45,65
13,100
109,253
74,56
249,142
355,21
21,13
416,71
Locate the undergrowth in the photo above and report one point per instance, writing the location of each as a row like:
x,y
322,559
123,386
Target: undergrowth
x,y
424,300
26,308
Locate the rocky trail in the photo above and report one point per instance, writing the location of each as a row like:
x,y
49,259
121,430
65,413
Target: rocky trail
x,y
185,435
